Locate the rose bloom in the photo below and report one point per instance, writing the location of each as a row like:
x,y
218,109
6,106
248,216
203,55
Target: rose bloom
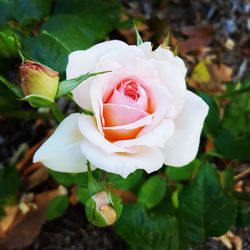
x,y
144,116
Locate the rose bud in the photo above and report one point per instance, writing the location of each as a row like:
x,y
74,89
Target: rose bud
x,y
38,79
103,209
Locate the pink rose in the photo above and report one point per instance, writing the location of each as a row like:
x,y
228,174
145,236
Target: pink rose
x,y
143,114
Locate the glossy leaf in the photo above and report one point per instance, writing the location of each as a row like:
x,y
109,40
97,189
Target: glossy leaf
x,y
148,231
126,184
28,10
183,173
48,50
233,146
9,182
204,208
57,207
153,191
68,179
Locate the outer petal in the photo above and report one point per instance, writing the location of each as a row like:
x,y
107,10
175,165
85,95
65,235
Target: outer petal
x,y
167,55
175,82
61,152
149,159
146,48
183,146
83,61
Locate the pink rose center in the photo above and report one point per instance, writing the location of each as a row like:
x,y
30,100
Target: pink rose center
x,y
127,103
130,89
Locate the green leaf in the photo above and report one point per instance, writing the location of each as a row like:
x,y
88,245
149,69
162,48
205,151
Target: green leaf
x,y
57,207
242,196
126,184
212,121
8,47
71,31
154,185
183,173
67,85
102,18
68,179
48,50
227,179
38,101
6,8
82,194
28,10
9,182
243,216
232,146
148,231
204,208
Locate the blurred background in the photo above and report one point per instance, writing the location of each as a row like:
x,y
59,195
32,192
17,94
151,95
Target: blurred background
x,y
212,37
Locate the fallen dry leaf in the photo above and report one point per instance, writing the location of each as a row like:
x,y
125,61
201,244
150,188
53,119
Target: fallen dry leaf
x,y
209,77
25,227
126,196
198,38
229,240
37,177
8,219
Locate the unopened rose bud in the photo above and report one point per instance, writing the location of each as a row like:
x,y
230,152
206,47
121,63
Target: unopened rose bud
x,y
103,209
38,79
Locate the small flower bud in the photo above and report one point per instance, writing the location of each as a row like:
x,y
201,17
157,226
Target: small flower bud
x,y
38,79
103,209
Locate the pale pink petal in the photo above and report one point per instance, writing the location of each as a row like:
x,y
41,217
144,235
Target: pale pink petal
x,y
127,131
83,61
124,55
149,159
182,147
146,48
103,85
157,137
118,98
173,80
88,129
61,152
161,105
167,55
117,114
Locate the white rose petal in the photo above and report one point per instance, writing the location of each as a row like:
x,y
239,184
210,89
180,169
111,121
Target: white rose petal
x,y
183,146
61,152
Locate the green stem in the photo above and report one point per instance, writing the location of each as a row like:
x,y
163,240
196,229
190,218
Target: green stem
x,y
56,112
93,186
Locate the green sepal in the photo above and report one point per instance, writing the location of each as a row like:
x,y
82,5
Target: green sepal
x,y
93,186
167,40
67,85
139,40
38,101
176,50
93,215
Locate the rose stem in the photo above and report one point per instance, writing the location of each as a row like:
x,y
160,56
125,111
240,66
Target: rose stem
x,y
56,112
